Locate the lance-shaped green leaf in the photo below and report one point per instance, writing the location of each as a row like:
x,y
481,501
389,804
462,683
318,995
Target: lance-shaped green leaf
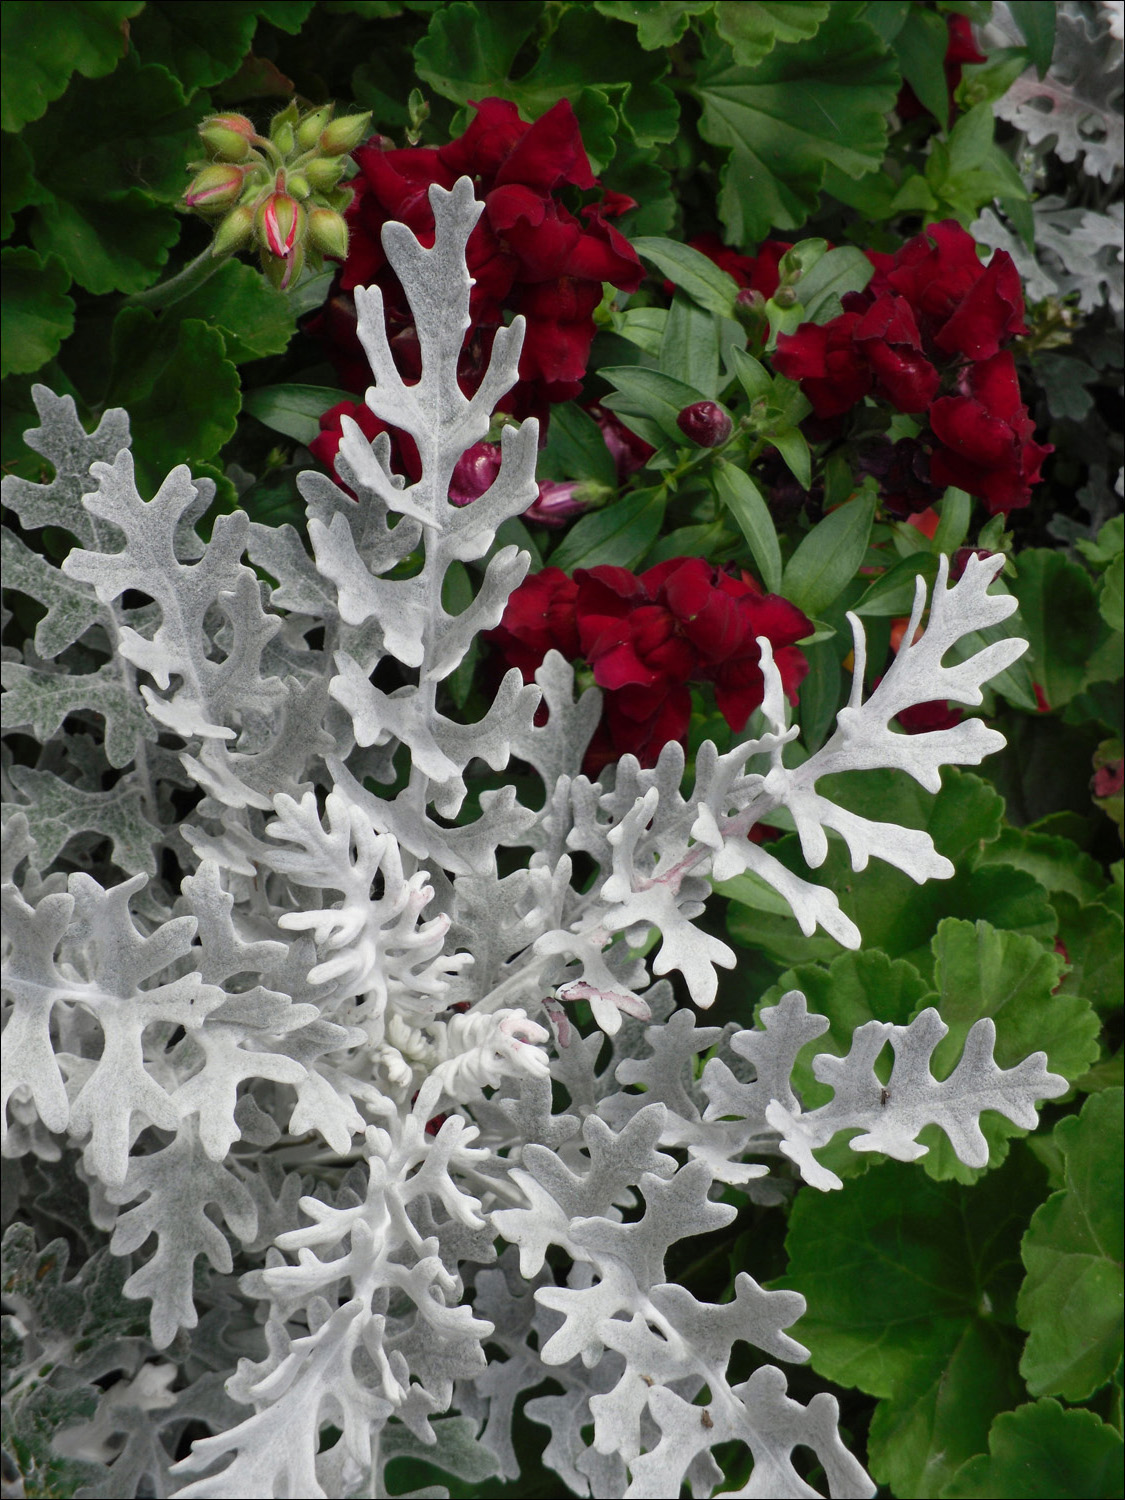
x,y
827,559
744,500
911,1288
806,105
1071,1303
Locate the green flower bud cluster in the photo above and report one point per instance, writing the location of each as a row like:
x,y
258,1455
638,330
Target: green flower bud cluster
x,y
281,192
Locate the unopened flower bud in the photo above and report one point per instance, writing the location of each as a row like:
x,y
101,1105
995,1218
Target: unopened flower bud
x,y
234,231
215,189
297,184
283,220
706,423
559,500
324,173
283,137
473,473
283,273
228,137
308,131
343,135
328,233
785,296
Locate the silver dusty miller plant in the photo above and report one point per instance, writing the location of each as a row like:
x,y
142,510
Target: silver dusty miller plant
x,y
310,1090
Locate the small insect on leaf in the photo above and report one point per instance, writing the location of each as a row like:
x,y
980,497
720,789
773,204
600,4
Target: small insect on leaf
x,y
705,1419
884,1096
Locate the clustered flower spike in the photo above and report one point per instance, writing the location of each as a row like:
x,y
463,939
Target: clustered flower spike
x,y
281,191
930,335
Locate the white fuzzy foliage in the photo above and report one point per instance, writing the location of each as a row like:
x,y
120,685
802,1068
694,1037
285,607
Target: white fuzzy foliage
x,y
275,1038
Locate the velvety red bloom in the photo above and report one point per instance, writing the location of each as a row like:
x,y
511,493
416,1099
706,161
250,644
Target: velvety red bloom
x,y
539,618
924,718
984,436
824,359
326,444
964,307
528,253
890,345
960,50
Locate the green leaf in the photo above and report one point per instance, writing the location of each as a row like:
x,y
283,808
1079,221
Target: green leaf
x,y
744,500
830,556
620,534
37,314
1057,863
181,393
836,273
820,696
659,23
911,1287
643,326
254,318
1060,618
689,349
85,36
955,509
893,593
469,50
1037,23
920,45
753,376
692,271
651,394
1111,594
107,166
1041,1452
807,104
754,27
793,446
1094,939
575,448
1071,1302
204,44
18,186
891,911
293,410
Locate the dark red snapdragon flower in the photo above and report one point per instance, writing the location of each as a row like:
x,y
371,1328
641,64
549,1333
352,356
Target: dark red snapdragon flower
x,y
648,637
528,253
984,436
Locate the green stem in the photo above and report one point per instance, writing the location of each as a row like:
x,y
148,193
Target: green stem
x,y
176,288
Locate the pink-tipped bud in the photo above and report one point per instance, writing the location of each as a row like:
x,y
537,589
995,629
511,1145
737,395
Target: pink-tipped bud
x,y
328,233
343,135
706,423
228,137
283,273
561,499
309,128
234,231
283,220
215,189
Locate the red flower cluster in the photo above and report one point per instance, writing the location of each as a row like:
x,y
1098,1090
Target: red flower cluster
x,y
527,254
647,638
928,335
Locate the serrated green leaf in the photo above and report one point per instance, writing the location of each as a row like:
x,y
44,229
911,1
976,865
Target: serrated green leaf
x,y
86,36
659,23
1094,939
754,27
18,186
37,314
108,168
254,318
1057,863
294,410
807,104
204,44
619,534
745,501
1058,610
891,912
692,271
829,557
1111,594
1071,1303
911,1287
1042,1452
181,392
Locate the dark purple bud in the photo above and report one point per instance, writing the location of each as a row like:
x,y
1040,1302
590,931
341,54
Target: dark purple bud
x,y
960,560
706,423
475,470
